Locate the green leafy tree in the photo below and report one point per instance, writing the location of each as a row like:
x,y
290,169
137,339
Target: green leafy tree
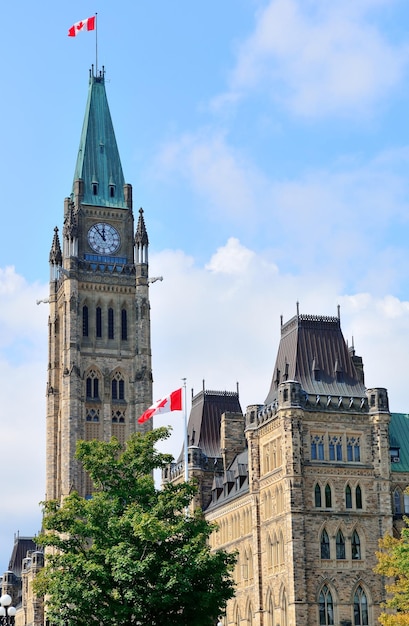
x,y
393,562
130,554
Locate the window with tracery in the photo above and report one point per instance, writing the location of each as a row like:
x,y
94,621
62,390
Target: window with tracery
x,y
397,502
348,497
317,496
326,607
92,385
340,545
325,547
360,608
118,387
358,497
110,323
355,546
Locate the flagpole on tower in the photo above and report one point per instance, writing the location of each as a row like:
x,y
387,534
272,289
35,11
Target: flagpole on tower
x,y
185,425
96,44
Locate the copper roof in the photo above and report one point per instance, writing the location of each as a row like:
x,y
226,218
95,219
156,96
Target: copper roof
x,y
313,352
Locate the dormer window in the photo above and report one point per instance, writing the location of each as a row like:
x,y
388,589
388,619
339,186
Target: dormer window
x,y
395,454
112,191
95,189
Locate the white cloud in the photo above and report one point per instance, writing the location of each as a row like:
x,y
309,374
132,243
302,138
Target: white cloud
x,y
214,169
233,258
23,367
328,220
318,57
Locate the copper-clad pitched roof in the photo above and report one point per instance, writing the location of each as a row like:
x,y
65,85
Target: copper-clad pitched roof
x,y
205,419
313,352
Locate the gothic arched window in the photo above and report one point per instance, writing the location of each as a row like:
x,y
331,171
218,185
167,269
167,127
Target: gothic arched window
x,y
348,497
325,549
92,386
110,323
358,497
397,504
85,321
317,496
326,607
340,545
98,322
124,325
360,608
356,546
328,497
118,387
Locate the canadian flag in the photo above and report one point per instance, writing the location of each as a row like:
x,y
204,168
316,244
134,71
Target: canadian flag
x,y
172,402
83,25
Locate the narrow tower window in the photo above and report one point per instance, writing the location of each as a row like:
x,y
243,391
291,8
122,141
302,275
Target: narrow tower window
x,y
328,497
360,608
92,386
340,545
356,546
85,321
348,497
358,497
317,496
325,550
124,325
326,607
118,387
110,323
98,322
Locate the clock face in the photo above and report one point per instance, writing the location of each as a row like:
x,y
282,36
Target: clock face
x,y
104,238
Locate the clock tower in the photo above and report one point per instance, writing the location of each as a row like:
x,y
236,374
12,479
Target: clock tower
x,y
99,361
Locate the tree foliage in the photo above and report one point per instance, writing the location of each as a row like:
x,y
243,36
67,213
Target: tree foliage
x,y
393,562
130,554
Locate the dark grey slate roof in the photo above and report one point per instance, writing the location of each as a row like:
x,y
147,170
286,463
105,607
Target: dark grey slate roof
x,y
205,419
313,352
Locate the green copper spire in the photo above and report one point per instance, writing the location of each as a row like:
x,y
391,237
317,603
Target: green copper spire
x,y
98,162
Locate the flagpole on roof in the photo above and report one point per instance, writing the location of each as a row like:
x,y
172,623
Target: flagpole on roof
x,y
96,43
185,425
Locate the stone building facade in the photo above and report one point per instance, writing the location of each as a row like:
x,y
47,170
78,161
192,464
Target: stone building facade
x,y
304,485
99,370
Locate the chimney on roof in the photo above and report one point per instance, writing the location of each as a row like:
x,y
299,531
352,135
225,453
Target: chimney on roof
x,y
232,438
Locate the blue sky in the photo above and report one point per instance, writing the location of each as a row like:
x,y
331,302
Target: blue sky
x,y
268,143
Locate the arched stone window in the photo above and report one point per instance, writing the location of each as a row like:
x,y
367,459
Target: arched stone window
x,y
348,497
124,325
98,322
325,547
358,497
317,496
360,607
92,385
340,545
326,607
270,610
397,502
355,546
118,387
328,496
85,325
110,323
